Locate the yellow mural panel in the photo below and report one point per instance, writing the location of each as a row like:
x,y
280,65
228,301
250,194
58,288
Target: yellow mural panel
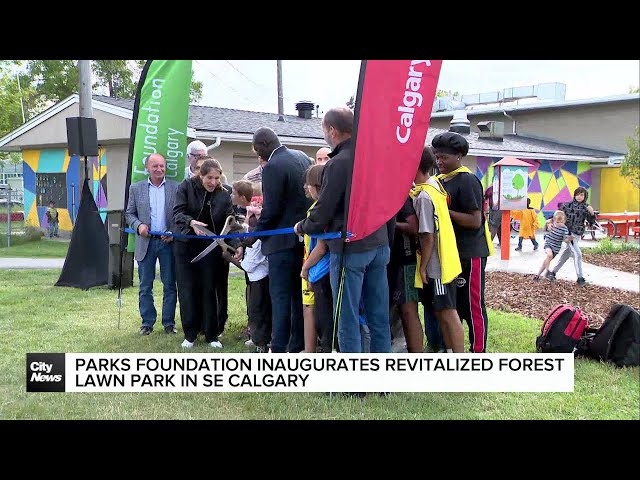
x,y
551,191
536,200
32,218
67,159
616,192
31,158
65,220
571,181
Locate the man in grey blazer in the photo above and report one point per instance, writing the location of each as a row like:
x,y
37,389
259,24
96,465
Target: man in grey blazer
x,y
150,208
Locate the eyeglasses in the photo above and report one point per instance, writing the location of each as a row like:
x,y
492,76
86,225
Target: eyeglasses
x,y
197,155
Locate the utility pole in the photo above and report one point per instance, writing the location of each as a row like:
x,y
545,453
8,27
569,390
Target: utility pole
x,y
84,72
21,99
86,110
280,97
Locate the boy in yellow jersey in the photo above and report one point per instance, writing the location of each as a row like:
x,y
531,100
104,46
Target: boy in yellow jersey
x,y
317,299
439,261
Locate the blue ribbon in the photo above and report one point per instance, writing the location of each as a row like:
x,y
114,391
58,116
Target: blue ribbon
x,y
263,233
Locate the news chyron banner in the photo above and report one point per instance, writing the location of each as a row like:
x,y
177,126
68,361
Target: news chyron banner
x,y
159,124
250,372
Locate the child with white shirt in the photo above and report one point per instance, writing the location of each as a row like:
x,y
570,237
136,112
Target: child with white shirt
x,y
257,267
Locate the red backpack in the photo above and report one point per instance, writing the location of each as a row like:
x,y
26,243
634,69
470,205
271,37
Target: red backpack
x,y
562,330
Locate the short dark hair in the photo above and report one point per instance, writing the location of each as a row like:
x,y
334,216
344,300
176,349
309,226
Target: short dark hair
x,y
265,141
580,190
340,118
427,160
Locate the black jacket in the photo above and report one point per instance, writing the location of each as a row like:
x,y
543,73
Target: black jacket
x,y
328,213
190,202
284,201
577,214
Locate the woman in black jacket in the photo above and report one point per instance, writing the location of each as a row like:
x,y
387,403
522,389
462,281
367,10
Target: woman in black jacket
x,y
200,201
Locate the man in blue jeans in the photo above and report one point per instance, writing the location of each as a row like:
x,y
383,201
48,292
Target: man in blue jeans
x,y
364,272
284,204
150,208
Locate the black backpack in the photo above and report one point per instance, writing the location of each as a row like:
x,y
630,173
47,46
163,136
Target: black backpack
x,y
618,338
562,330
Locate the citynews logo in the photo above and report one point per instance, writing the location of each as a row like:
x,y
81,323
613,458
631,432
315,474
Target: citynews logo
x,y
45,372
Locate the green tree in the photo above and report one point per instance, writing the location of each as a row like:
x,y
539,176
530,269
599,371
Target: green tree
x,y
518,182
9,158
55,80
631,164
120,77
14,95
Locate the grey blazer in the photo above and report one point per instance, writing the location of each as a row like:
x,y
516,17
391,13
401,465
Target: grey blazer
x,y
139,211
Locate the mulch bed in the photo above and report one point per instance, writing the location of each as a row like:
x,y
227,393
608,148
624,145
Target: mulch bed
x,y
624,261
513,292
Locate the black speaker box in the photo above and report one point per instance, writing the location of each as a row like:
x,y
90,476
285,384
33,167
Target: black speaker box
x,y
82,136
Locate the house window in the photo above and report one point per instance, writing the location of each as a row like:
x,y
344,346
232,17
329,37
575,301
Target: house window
x,y
242,164
51,187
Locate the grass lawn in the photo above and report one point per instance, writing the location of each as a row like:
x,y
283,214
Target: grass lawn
x,y
34,249
35,316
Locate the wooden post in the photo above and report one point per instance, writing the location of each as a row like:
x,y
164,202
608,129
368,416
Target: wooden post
x,y
505,235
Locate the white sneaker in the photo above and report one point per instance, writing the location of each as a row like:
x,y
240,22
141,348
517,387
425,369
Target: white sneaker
x,y
187,344
249,343
216,344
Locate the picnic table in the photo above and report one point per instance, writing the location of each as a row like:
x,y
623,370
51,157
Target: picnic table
x,y
627,223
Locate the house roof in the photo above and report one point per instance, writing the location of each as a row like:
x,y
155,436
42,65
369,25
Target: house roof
x,y
229,120
239,125
542,105
525,147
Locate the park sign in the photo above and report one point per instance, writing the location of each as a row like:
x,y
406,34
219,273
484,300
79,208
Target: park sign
x,y
510,181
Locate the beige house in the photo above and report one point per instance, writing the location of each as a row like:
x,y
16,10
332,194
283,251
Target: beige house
x,y
50,173
600,123
596,123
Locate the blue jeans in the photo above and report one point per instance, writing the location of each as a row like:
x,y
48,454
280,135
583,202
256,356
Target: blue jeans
x,y
53,229
158,250
365,275
285,289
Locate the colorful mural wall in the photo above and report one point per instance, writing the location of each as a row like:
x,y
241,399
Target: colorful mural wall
x,y
53,175
550,181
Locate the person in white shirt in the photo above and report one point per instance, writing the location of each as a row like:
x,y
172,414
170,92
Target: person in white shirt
x,y
257,267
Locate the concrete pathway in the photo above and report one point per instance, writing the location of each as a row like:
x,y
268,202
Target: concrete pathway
x,y
528,261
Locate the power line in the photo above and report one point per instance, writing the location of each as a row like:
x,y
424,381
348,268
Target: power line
x,y
223,82
255,83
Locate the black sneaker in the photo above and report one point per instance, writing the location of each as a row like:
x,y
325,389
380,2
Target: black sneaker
x,y
145,330
550,276
535,247
581,282
518,249
171,329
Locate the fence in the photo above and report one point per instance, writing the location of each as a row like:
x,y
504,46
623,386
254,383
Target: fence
x,y
13,230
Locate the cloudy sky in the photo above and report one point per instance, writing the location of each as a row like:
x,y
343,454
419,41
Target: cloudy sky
x,y
252,85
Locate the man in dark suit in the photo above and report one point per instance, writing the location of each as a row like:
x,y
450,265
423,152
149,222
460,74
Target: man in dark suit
x,y
284,204
150,208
